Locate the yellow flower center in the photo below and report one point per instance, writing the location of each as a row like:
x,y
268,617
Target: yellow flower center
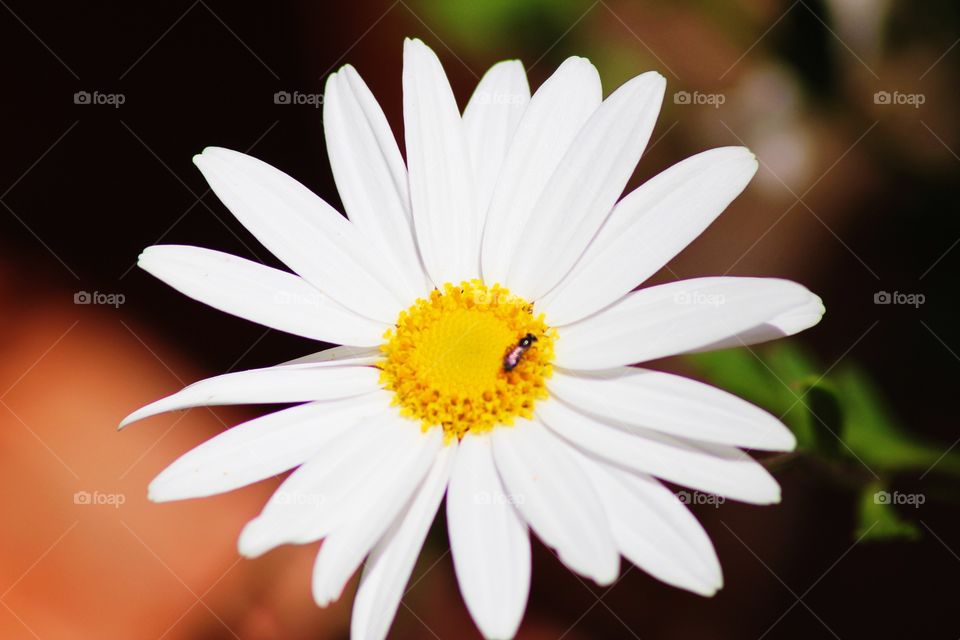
x,y
459,359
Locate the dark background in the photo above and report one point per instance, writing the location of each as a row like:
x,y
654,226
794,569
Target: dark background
x,y
853,198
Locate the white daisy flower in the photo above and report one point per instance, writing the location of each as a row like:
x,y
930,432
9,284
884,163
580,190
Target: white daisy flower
x,y
483,294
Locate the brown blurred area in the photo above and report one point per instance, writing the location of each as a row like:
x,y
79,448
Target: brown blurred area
x,y
853,197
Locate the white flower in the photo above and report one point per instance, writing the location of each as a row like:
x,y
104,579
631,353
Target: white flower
x,y
501,241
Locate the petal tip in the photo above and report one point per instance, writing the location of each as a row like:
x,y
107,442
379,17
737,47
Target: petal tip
x,y
250,544
206,151
202,158
212,153
156,494
820,309
789,442
329,86
608,576
510,62
775,497
414,44
654,77
126,422
582,64
782,440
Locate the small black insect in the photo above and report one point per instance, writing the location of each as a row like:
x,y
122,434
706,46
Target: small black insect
x,y
512,359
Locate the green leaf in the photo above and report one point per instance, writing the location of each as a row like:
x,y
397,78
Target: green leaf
x,y
824,417
874,435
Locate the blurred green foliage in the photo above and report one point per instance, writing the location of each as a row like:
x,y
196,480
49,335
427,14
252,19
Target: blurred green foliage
x,y
840,420
540,25
488,25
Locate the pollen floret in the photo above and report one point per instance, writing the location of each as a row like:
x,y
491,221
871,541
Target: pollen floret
x,y
444,359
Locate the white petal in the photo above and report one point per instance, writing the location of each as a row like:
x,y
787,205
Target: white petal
x,y
587,183
550,122
349,543
262,447
306,233
272,385
556,499
647,228
261,294
672,404
489,121
675,318
788,323
337,356
370,174
723,470
445,210
388,568
328,487
489,541
654,530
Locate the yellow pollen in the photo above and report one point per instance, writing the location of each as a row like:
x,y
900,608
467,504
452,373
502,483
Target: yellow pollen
x,y
444,359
